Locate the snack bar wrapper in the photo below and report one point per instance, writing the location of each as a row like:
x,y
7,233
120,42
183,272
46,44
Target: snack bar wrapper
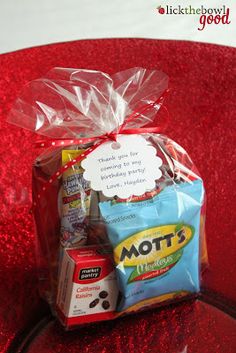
x,y
119,207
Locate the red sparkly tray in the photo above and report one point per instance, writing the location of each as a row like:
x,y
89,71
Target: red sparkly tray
x,y
202,108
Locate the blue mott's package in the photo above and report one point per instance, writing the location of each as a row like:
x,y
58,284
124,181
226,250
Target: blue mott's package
x,y
156,244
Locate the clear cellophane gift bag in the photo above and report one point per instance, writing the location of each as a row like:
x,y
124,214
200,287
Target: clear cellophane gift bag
x,y
104,254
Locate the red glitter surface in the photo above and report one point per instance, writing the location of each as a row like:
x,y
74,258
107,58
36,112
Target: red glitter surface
x,y
202,107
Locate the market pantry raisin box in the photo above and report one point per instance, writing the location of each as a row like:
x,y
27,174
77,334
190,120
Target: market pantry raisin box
x,y
87,286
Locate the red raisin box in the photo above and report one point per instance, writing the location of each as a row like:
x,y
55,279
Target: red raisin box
x,y
87,289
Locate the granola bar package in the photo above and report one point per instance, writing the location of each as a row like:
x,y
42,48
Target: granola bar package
x,y
119,207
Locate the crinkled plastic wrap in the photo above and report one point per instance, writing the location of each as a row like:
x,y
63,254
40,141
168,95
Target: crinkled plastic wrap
x,y
98,257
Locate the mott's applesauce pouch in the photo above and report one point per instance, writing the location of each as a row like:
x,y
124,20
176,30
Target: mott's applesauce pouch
x,y
75,202
156,244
